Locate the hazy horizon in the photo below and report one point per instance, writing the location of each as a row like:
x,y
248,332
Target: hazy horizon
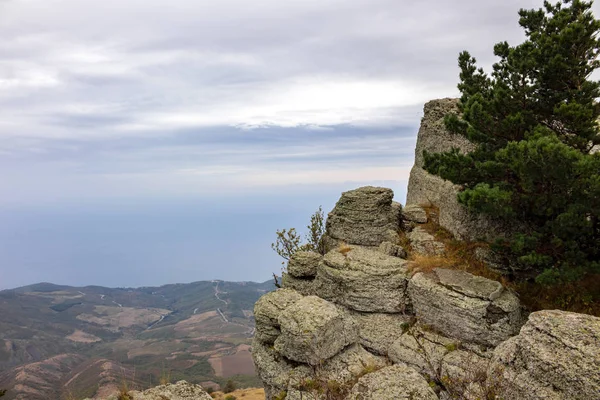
x,y
154,142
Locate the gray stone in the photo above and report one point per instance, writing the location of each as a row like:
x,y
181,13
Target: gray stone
x,y
465,372
469,285
181,390
305,287
377,332
422,350
272,369
486,314
343,369
397,382
364,280
313,330
414,213
303,264
363,216
555,356
427,189
424,243
392,249
267,310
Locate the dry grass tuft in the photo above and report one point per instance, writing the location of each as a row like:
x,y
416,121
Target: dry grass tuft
x,y
580,296
422,263
344,249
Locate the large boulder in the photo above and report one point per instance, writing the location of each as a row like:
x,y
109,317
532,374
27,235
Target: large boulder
x,y
267,310
314,330
365,216
465,307
397,382
364,280
555,356
424,188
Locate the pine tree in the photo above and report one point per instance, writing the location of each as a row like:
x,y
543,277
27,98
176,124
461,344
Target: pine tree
x,y
534,121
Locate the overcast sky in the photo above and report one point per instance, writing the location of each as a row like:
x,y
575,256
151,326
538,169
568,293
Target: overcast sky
x,y
147,142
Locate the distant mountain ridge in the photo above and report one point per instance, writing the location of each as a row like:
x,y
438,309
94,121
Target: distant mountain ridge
x,y
58,341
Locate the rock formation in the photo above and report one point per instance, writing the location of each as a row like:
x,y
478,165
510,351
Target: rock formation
x,y
361,323
181,390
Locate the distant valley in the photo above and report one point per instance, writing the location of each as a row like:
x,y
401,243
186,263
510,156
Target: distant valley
x,y
62,342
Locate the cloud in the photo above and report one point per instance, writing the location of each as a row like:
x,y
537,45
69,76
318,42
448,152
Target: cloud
x,y
92,89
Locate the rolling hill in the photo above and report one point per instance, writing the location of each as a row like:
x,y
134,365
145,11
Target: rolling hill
x,y
62,342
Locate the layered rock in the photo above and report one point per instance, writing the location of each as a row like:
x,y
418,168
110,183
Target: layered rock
x,y
364,280
359,308
466,307
555,356
313,330
424,188
301,272
267,310
366,216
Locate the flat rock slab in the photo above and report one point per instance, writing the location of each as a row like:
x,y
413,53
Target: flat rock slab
x,y
364,280
267,310
414,213
303,264
485,315
397,382
364,216
555,356
469,284
314,330
424,243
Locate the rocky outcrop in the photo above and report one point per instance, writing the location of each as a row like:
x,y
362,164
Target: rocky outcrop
x,y
364,280
362,307
466,307
424,188
555,356
397,382
365,216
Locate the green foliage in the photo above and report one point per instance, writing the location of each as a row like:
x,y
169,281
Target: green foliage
x,y
316,230
230,397
229,387
289,241
2,392
534,123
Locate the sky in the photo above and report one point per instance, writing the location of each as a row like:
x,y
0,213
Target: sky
x,y
152,142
